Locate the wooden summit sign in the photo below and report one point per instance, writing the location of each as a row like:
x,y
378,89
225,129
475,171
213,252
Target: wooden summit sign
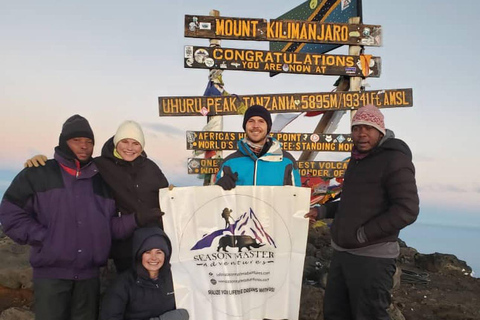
x,y
285,62
285,102
281,30
307,169
222,140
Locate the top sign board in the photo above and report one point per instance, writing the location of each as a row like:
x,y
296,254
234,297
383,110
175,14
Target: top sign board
x,y
325,11
281,30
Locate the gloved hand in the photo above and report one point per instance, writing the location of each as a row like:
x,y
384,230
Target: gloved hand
x,y
228,181
35,161
149,217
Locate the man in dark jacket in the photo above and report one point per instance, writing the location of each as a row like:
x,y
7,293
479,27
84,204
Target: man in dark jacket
x,y
379,199
65,212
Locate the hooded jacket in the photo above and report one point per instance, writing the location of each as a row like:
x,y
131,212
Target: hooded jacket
x,y
275,168
379,194
66,214
135,186
134,296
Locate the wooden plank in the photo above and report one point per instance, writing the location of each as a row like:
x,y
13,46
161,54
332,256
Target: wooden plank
x,y
283,62
324,169
284,102
221,140
282,30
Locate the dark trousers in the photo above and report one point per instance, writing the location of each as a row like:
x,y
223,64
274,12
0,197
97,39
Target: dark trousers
x,y
358,287
58,299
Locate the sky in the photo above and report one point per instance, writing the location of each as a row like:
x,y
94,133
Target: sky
x,y
110,61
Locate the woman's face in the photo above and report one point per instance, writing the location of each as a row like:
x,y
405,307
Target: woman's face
x,y
129,149
152,261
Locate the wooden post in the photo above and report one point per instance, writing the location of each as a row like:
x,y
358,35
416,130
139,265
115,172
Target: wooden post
x,y
355,82
214,123
330,119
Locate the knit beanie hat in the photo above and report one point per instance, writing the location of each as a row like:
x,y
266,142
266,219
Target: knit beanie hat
x,y
129,130
371,116
75,127
257,110
154,242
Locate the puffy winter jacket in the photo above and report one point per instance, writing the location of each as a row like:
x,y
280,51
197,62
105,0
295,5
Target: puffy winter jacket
x,y
135,186
379,194
134,296
66,213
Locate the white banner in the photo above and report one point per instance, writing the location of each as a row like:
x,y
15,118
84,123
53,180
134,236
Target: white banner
x,y
238,254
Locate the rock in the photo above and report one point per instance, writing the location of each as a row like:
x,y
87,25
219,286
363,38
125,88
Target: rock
x,y
15,270
16,278
402,243
395,313
397,279
325,254
407,255
319,237
439,262
315,272
310,251
311,301
17,314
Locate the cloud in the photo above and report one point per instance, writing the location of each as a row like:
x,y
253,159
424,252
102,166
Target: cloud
x,y
163,128
443,188
422,157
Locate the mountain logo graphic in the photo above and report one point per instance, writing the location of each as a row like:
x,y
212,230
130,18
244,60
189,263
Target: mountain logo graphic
x,y
245,232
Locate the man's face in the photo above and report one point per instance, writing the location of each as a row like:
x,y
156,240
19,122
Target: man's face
x,y
256,129
81,147
365,137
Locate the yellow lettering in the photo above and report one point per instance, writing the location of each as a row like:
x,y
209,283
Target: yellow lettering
x,y
295,30
270,34
220,27
312,31
303,32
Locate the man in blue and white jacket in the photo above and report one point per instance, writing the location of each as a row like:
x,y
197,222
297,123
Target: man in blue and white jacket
x,y
259,160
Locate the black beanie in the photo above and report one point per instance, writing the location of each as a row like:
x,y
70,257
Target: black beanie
x,y
75,127
154,242
257,110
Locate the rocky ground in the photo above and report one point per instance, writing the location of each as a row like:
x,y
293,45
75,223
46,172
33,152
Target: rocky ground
x,y
428,287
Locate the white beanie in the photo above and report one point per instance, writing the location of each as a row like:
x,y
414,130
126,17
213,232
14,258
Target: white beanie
x,y
129,130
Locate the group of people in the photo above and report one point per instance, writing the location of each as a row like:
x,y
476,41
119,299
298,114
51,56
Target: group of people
x,y
75,211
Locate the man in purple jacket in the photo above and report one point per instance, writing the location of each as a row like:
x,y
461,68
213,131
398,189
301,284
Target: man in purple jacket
x,y
65,212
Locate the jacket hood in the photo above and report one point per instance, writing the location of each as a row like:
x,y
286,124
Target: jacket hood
x,y
109,147
390,142
274,153
140,237
75,167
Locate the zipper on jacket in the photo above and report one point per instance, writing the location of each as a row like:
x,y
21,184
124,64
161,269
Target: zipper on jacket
x,y
77,165
255,173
